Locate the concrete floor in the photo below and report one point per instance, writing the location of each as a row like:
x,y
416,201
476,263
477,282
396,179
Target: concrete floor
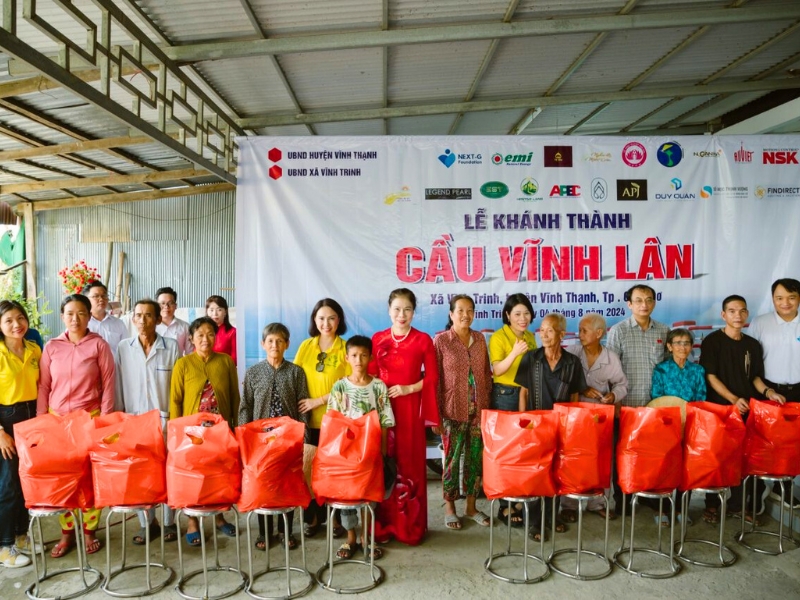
x,y
450,565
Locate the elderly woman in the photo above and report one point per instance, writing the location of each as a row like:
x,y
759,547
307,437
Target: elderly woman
x,y
549,375
76,373
677,376
225,340
322,358
465,384
19,378
205,381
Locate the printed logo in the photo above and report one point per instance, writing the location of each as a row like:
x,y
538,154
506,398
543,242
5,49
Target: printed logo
x,y
706,191
632,189
780,157
669,154
470,159
764,191
448,193
708,154
598,157
565,191
676,184
448,158
530,187
599,190
742,155
558,156
634,154
275,171
404,195
512,160
494,189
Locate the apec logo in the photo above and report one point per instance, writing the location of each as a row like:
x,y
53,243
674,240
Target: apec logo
x,y
669,154
512,160
565,191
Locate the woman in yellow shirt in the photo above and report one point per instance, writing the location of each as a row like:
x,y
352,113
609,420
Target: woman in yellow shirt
x,y
506,348
322,358
19,379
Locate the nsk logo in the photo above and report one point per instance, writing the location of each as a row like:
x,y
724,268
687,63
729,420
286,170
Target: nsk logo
x,y
780,157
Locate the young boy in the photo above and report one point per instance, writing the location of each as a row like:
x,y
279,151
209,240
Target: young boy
x,y
355,396
274,388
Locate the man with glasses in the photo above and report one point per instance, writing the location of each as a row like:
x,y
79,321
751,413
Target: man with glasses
x,y
102,322
639,343
171,326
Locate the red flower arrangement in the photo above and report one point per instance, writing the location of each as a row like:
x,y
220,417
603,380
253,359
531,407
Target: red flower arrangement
x,y
78,275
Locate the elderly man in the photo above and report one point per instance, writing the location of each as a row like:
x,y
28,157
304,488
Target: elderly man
x,y
102,322
144,373
606,384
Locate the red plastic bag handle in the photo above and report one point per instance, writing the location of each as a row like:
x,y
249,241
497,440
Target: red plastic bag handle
x,y
523,423
350,434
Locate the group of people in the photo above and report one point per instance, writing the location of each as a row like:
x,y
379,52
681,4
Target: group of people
x,y
411,380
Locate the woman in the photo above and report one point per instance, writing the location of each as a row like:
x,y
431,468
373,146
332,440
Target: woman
x,y
677,376
205,381
506,347
465,385
76,373
322,358
19,378
400,354
225,340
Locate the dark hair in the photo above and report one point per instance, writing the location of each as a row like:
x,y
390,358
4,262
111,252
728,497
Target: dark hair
x,y
679,332
512,301
93,284
359,341
167,290
403,293
76,298
313,330
200,321
791,285
8,306
152,304
275,329
641,287
733,298
222,303
453,301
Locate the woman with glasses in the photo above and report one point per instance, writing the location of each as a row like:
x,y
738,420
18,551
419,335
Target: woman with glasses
x,y
322,358
678,376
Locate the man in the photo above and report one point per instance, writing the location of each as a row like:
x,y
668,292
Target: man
x,y
144,372
734,369
779,334
102,322
170,326
606,384
639,343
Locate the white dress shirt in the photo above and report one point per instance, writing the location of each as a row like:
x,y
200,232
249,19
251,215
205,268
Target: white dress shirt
x,y
178,330
111,329
780,341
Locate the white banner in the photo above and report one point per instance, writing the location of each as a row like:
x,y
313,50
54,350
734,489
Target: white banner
x,y
571,221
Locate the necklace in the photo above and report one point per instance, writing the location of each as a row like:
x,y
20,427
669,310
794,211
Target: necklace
x,y
396,340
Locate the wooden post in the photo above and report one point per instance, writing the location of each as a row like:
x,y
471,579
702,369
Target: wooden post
x,y
126,302
120,271
30,249
109,260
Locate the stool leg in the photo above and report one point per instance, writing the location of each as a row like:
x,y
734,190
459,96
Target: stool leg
x,y
36,521
178,514
286,552
580,541
238,545
782,510
202,521
303,538
723,508
672,532
331,514
248,525
108,545
605,546
527,521
146,553
634,502
491,533
684,511
622,524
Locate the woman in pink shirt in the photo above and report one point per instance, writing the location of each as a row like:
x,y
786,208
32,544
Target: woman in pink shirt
x,y
217,311
76,372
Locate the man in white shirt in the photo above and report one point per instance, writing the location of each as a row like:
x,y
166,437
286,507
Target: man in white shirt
x,y
102,322
144,367
171,326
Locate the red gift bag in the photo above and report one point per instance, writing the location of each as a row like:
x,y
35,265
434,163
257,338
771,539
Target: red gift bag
x,y
349,464
772,441
203,466
713,443
518,453
585,441
54,467
272,464
129,461
650,452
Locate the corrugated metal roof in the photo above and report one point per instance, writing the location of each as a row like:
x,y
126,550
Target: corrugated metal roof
x,y
423,125
488,123
281,17
186,21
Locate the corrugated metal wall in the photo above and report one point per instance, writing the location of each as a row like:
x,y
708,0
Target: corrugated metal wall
x,y
186,243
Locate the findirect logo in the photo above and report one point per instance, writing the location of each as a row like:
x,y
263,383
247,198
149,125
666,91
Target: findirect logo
x,y
565,191
634,154
763,192
530,187
512,160
599,189
632,189
669,154
494,189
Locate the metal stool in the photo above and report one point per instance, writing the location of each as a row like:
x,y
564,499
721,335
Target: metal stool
x,y
723,549
674,565
579,551
526,578
782,481
201,512
268,512
375,572
33,592
149,587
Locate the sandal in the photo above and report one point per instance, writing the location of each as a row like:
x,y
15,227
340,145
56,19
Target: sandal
x,y
170,533
377,552
140,538
602,512
481,518
346,551
310,530
193,538
569,515
452,522
261,543
536,534
711,515
748,517
291,541
61,548
228,529
510,517
339,531
93,545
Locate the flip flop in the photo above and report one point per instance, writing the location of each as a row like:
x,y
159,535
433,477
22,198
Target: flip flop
x,y
193,538
602,513
569,515
481,518
155,532
452,522
339,531
228,529
261,543
170,533
60,549
514,516
536,534
711,516
93,546
346,551
289,540
310,530
377,552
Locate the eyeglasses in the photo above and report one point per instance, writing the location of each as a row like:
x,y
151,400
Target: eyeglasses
x,y
98,297
643,301
167,304
321,361
681,343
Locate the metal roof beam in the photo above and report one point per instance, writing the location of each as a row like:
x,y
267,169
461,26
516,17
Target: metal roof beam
x,y
110,180
516,103
82,146
477,31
